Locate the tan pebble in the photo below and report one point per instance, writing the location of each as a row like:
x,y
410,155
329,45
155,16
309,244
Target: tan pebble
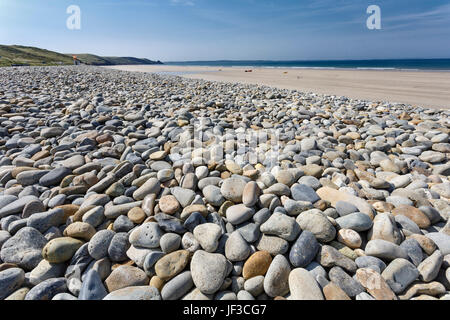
x,y
137,215
332,292
169,204
257,264
350,238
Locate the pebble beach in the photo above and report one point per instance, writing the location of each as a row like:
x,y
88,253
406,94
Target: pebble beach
x,y
118,185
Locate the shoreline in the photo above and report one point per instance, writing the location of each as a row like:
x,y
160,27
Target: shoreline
x,y
427,89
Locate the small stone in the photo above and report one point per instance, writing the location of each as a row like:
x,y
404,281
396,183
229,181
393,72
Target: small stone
x,y
355,221
92,288
80,230
46,270
350,286
350,238
172,264
236,248
47,289
138,293
303,286
375,284
208,271
385,250
344,208
255,285
442,241
414,251
399,274
333,292
330,257
250,194
414,214
432,289
317,223
304,250
170,242
233,188
257,264
147,235
151,186
429,268
208,235
99,244
277,277
178,286
169,204
272,244
213,195
303,192
117,250
125,276
10,280
239,213
24,248
60,249
137,215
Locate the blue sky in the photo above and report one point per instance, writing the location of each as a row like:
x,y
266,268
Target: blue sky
x,y
176,30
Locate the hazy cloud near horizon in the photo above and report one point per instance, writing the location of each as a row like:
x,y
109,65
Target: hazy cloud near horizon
x,y
175,30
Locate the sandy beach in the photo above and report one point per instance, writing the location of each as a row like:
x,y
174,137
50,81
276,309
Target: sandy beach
x,y
417,88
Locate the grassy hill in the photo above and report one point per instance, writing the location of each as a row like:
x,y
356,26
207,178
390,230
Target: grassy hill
x,y
109,61
10,55
22,55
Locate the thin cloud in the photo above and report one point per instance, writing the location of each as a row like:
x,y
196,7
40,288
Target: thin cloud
x,y
182,3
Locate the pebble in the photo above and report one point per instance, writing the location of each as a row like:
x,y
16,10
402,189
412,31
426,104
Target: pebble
x,y
171,264
10,280
276,278
117,250
47,289
303,286
304,250
134,293
374,283
282,226
250,194
61,249
177,287
385,250
399,274
92,288
127,183
24,248
429,268
317,223
344,208
441,240
208,271
208,235
303,192
238,214
257,264
125,276
349,285
233,189
99,244
236,248
350,238
147,235
355,221
46,270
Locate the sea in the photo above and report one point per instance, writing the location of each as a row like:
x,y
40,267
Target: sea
x,y
397,64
